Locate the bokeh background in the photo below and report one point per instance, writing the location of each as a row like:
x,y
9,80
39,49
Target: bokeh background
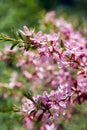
x,y
16,14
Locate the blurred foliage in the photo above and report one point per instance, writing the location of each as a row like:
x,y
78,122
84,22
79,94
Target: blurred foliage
x,y
17,13
72,10
78,4
79,119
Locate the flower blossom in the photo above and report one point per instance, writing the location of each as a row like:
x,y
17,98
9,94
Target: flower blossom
x,y
26,32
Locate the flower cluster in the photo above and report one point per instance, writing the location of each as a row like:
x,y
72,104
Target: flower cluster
x,y
57,66
60,66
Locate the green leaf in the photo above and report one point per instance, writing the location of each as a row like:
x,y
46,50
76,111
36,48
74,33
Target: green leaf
x,y
13,45
62,45
29,95
15,34
20,36
74,73
16,108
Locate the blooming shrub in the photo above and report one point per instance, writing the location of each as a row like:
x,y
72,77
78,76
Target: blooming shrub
x,y
54,65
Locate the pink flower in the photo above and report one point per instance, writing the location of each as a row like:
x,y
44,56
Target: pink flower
x,y
27,74
50,127
50,16
28,124
53,37
38,38
26,32
27,106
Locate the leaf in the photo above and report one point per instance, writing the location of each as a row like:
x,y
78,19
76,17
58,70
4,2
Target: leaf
x,y
29,95
20,45
62,45
74,73
13,45
15,34
20,35
16,108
